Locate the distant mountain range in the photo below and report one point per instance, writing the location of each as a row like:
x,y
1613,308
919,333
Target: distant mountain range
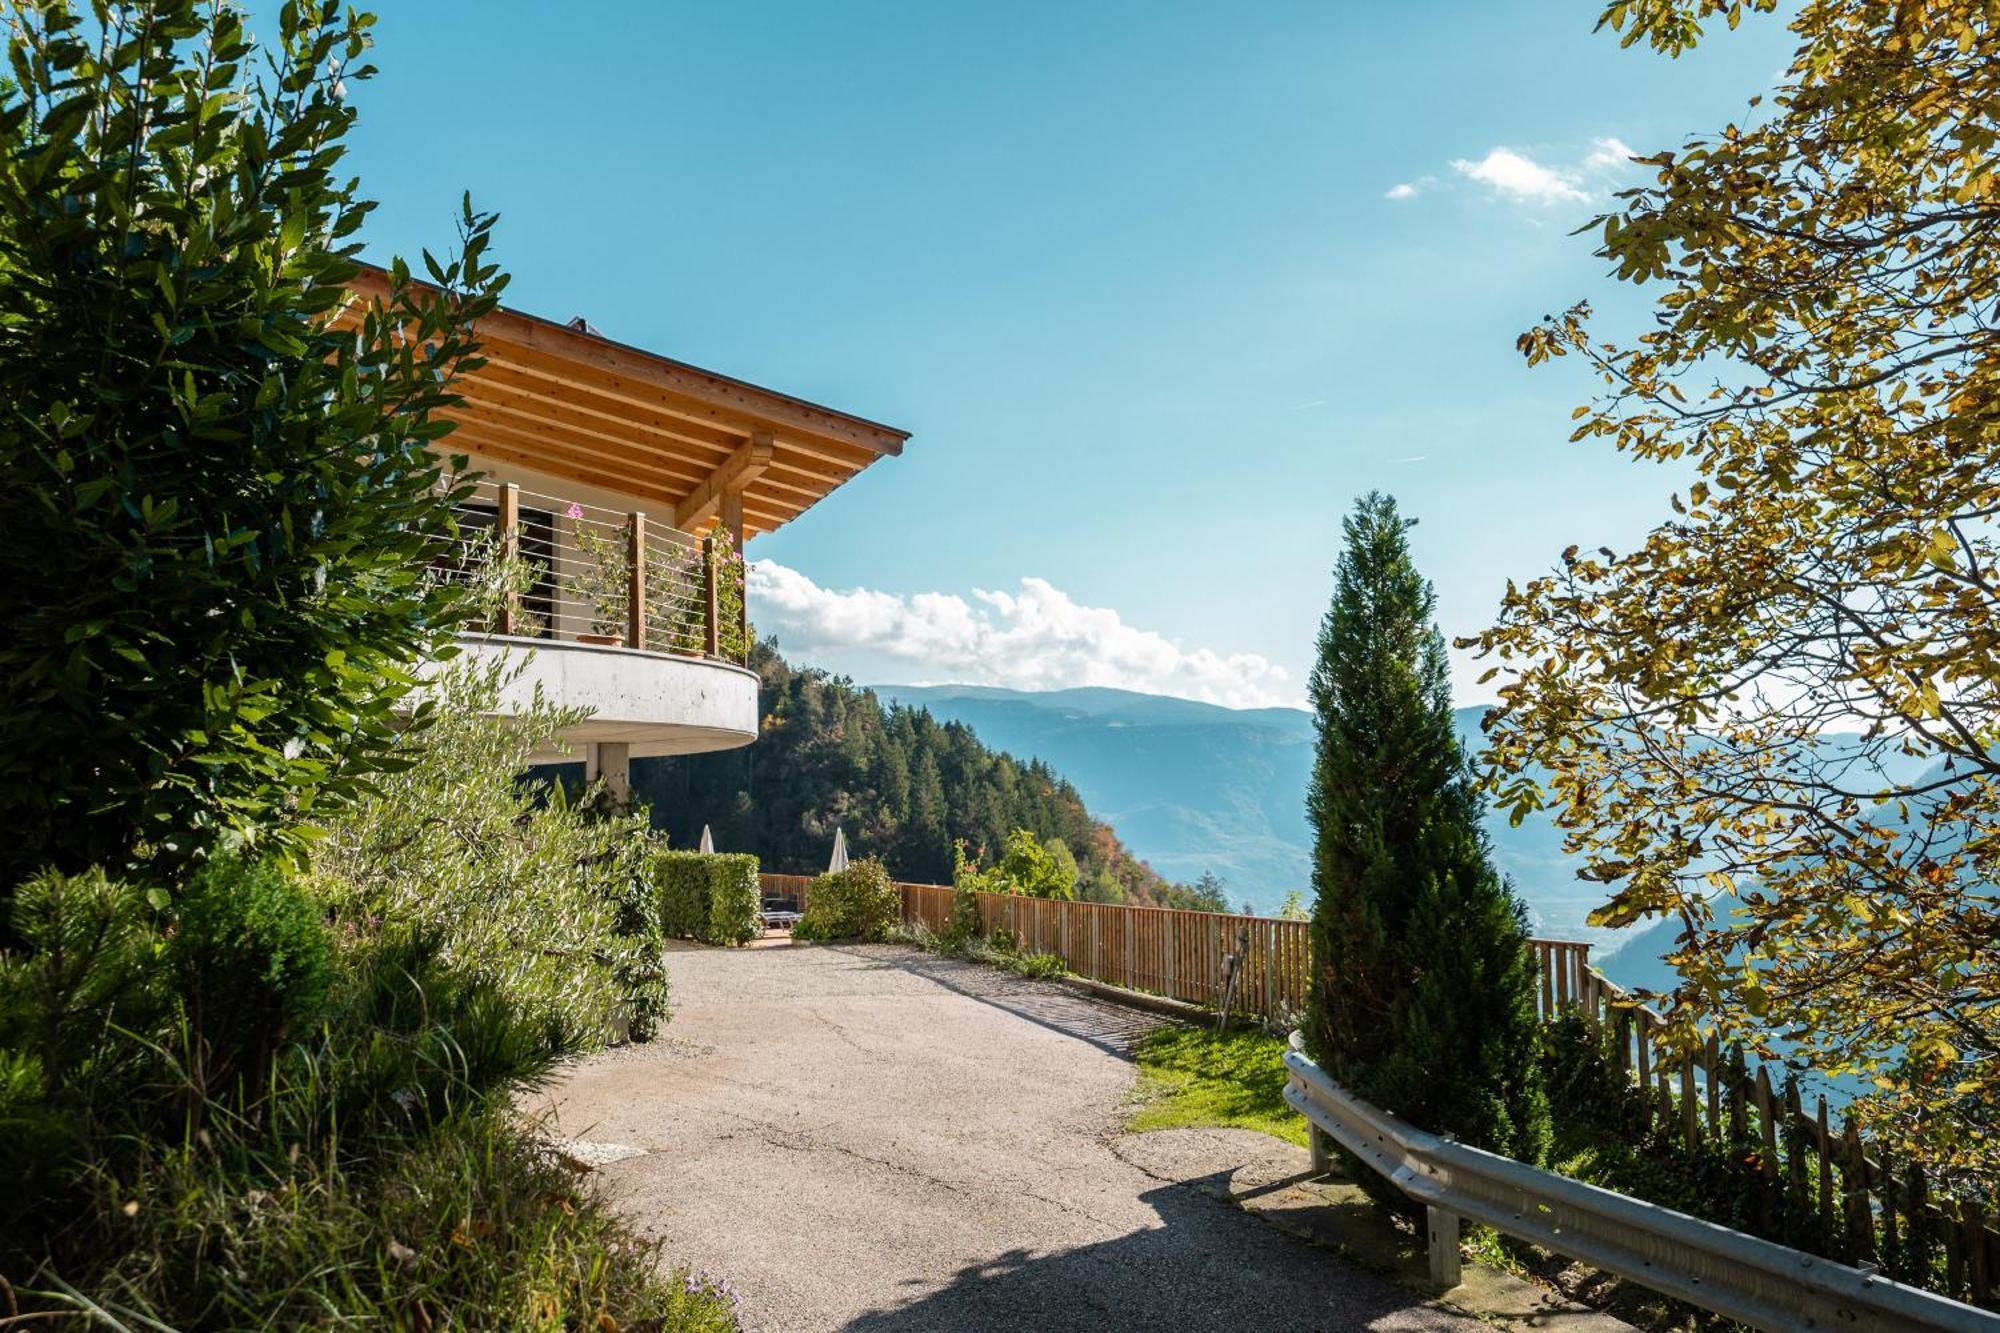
x,y
1193,787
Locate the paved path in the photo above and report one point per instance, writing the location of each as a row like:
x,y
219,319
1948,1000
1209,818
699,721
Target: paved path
x,y
870,1138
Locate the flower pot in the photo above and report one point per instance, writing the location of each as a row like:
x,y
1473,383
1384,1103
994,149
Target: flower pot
x,y
602,640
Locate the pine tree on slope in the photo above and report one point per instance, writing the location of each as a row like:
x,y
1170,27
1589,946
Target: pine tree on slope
x,y
1423,995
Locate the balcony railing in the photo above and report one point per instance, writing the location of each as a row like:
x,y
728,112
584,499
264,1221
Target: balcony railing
x,y
546,567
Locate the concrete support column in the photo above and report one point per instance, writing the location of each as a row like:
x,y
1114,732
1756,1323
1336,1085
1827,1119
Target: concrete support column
x,y
612,761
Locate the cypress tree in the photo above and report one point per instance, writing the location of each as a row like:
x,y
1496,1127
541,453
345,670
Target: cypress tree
x,y
1423,994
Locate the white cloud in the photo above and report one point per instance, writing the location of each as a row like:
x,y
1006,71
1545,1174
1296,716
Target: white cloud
x,y
1609,154
1038,638
1406,190
1521,177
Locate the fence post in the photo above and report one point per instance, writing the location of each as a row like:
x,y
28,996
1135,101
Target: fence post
x,y
1322,1155
507,527
635,580
1270,970
1442,1227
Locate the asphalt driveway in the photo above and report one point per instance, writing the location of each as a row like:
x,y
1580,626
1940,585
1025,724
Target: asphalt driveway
x,y
872,1138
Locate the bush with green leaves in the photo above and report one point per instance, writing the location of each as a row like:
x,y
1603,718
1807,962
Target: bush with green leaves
x,y
858,903
219,504
553,904
1037,868
377,1168
251,962
715,897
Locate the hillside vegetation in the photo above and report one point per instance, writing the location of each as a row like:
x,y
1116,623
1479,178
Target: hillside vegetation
x,y
904,785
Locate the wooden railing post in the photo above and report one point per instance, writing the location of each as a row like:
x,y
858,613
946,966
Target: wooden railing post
x,y
635,580
507,530
713,641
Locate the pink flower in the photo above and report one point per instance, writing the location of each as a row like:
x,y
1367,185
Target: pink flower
x,y
575,510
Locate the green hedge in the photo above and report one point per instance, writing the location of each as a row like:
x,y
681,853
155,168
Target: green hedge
x,y
860,902
710,896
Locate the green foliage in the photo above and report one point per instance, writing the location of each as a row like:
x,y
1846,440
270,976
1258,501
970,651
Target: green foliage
x,y
860,902
1604,1135
218,505
905,787
1001,949
1423,998
1039,965
968,881
376,1163
85,972
1193,1078
1772,721
1036,869
1103,887
1207,894
251,962
378,1169
732,640
546,900
710,896
467,1225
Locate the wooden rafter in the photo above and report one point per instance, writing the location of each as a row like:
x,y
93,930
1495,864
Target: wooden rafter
x,y
687,444
731,479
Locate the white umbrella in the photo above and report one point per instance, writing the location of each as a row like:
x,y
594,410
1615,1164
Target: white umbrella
x,y
707,839
839,861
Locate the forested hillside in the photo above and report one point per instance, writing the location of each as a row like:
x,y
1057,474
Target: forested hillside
x,y
902,784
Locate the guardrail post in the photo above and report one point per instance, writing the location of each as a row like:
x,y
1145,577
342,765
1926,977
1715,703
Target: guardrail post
x,y
1442,1227
1321,1147
507,530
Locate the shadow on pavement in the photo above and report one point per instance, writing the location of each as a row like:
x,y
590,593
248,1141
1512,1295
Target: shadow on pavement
x,y
1201,1268
1109,1027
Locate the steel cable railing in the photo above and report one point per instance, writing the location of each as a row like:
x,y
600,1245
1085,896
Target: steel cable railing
x,y
552,567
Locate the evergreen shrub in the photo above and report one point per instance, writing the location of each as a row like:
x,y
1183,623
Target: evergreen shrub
x,y
1422,1000
714,897
252,961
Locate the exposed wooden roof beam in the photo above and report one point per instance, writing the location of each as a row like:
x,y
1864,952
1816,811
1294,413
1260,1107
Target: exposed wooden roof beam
x,y
679,440
743,467
681,473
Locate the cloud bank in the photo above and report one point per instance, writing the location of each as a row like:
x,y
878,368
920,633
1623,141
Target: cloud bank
x,y
1038,638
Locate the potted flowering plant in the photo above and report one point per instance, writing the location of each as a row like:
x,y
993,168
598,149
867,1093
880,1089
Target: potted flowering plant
x,y
601,581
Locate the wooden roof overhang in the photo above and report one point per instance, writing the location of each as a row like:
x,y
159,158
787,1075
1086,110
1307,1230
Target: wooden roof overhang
x,y
688,442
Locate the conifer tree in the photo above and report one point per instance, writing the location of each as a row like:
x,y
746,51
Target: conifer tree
x,y
1422,1000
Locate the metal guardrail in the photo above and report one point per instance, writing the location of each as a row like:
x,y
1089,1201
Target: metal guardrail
x,y
1740,1277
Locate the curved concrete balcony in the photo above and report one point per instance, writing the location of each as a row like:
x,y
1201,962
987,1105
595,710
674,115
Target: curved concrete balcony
x,y
642,704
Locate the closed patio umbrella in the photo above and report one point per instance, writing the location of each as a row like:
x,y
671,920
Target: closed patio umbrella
x,y
839,862
707,839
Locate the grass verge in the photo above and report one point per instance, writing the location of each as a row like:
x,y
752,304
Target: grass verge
x,y
1191,1078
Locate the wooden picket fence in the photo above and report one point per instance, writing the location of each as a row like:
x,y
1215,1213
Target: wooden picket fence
x,y
1160,950
1821,1187
1817,1187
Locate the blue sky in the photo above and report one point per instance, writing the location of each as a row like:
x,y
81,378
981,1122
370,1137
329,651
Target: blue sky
x,y
1130,273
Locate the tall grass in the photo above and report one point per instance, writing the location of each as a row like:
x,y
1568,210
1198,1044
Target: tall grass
x,y
252,1101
